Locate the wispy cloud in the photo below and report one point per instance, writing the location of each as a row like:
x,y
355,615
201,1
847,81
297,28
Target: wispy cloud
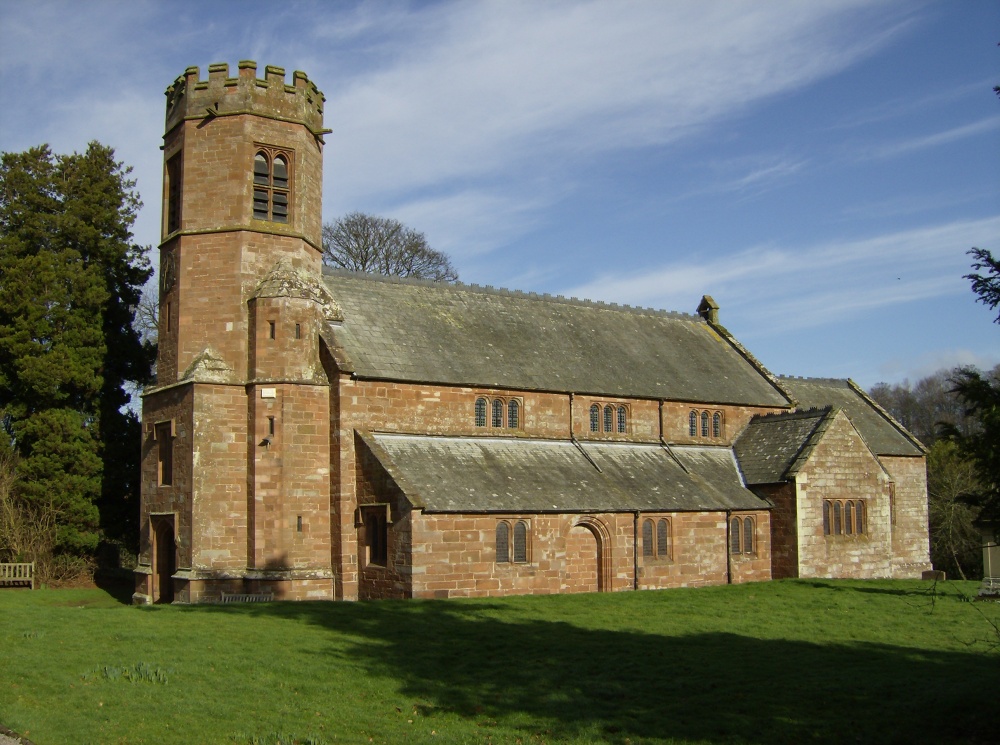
x,y
777,289
937,139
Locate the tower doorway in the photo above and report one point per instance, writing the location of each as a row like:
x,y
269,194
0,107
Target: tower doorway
x,y
164,551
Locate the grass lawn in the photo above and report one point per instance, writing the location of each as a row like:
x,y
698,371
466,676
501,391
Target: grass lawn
x,y
775,662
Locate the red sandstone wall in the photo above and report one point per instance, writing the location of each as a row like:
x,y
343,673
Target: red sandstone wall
x,y
219,483
756,566
910,537
841,466
784,529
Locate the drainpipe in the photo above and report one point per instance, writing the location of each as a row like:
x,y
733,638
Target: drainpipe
x,y
729,556
635,551
571,397
666,446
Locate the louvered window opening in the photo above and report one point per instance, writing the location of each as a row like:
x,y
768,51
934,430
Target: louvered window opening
x,y
271,192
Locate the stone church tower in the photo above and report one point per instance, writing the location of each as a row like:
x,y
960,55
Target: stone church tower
x,y
226,505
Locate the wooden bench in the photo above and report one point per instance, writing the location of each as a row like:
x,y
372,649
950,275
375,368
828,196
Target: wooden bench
x,y
17,575
246,597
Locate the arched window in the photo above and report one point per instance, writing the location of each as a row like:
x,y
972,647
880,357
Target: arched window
x,y
622,420
497,412
609,417
749,534
595,418
520,542
717,424
844,517
513,413
704,424
693,424
647,539
859,518
503,543
838,526
826,517
735,533
480,412
271,190
849,518
663,539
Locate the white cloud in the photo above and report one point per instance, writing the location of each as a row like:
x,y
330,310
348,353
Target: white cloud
x,y
777,289
938,138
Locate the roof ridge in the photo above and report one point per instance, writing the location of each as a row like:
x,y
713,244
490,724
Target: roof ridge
x,y
524,294
812,412
805,377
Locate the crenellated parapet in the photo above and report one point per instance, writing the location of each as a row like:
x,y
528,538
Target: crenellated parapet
x,y
190,97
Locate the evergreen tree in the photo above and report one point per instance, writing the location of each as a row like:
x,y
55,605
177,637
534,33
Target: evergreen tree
x,y
70,278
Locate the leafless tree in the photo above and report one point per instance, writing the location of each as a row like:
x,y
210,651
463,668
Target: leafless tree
x,y
381,245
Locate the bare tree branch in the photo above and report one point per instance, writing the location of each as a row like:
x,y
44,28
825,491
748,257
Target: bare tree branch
x,y
368,243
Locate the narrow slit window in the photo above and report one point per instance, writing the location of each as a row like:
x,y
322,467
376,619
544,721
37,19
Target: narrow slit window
x,y
647,538
826,518
859,518
298,331
270,329
735,534
838,525
165,454
174,193
693,424
298,524
849,518
748,535
270,425
513,414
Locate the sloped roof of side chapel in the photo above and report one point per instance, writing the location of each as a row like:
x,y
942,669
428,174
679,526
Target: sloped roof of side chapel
x,y
455,334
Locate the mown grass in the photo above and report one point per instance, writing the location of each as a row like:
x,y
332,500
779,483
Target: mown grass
x,y
778,662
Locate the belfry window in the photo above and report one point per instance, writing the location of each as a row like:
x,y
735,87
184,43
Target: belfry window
x,y
271,185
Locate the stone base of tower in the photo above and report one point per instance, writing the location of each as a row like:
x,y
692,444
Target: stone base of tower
x,y
193,587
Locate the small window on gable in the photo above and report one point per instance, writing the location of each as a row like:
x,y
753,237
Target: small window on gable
x,y
520,542
503,542
648,548
595,418
480,412
693,424
271,185
513,414
298,331
704,424
609,417
717,424
622,420
497,412
844,517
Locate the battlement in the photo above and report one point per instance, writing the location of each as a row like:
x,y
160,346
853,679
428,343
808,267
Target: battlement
x,y
190,97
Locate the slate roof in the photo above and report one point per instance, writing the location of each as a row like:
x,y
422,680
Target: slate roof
x,y
773,446
883,434
454,334
492,474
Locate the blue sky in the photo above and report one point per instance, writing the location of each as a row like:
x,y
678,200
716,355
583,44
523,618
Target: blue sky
x,y
819,168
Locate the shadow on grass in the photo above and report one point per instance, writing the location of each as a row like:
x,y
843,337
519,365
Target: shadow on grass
x,y
118,585
555,680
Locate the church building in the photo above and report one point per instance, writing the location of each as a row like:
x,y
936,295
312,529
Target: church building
x,y
318,434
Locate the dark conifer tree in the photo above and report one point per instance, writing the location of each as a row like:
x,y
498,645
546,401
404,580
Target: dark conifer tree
x,y
70,278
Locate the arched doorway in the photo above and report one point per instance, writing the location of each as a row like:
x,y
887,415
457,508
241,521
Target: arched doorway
x,y
164,551
587,557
